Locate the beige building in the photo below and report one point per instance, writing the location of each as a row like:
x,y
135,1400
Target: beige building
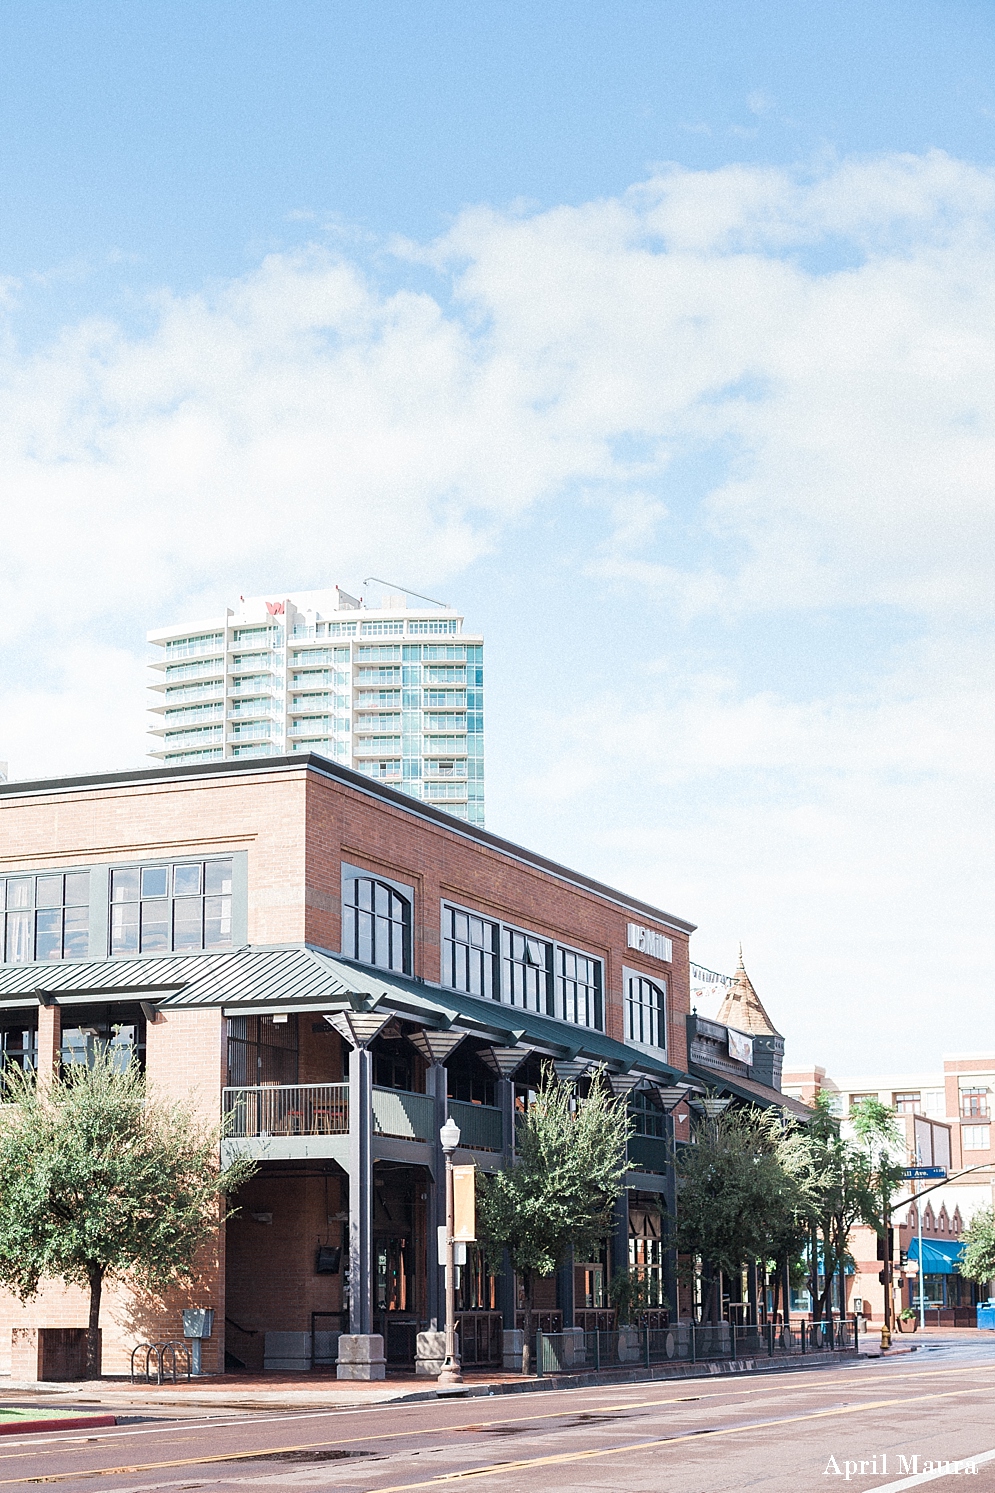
x,y
946,1117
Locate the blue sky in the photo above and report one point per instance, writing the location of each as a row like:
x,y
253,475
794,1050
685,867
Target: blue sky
x,y
658,337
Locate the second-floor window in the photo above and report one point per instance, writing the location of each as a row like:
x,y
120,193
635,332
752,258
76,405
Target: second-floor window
x,y
377,924
974,1103
578,989
470,946
526,971
645,1003
908,1103
171,909
484,957
45,917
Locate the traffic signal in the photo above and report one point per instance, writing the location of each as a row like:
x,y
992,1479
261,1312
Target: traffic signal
x,y
886,1241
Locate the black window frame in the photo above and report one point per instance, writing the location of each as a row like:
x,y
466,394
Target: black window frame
x,y
555,1000
356,918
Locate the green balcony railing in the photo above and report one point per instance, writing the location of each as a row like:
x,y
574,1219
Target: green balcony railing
x,y
403,1115
481,1127
648,1153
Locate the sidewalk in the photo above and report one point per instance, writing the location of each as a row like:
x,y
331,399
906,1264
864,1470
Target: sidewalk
x,y
254,1392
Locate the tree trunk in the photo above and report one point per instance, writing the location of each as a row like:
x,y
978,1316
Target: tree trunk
x,y
527,1339
95,1275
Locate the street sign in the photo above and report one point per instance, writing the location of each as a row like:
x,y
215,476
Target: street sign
x,y
924,1173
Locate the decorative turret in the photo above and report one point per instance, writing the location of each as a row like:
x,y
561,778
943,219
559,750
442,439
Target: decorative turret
x,y
743,1011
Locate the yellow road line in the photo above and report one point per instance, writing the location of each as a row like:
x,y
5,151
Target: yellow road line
x,y
740,1392
492,1469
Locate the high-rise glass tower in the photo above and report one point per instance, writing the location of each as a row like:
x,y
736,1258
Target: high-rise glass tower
x,y
394,690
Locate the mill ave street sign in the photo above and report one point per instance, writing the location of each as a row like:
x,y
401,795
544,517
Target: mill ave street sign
x,y
924,1173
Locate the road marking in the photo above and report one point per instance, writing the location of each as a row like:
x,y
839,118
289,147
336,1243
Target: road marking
x,y
927,1477
740,1391
492,1469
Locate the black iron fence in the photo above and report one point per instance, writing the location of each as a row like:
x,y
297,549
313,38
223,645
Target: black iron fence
x,y
575,1351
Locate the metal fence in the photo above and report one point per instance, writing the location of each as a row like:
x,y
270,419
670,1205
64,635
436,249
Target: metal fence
x,y
287,1109
575,1350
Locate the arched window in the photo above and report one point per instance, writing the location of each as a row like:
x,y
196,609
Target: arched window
x,y
377,924
645,1012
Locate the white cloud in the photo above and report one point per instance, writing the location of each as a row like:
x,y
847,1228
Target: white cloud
x,y
777,392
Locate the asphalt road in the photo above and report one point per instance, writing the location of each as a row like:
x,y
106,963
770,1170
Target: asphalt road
x,y
848,1426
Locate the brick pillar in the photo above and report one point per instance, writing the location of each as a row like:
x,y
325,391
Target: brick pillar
x,y
49,1042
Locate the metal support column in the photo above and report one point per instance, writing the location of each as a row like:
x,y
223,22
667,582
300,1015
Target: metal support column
x,y
620,1235
436,1083
506,1285
360,1190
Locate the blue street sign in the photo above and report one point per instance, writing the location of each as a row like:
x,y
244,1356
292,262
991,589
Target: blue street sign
x,y
924,1173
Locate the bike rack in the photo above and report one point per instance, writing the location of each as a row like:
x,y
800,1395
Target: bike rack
x,y
163,1356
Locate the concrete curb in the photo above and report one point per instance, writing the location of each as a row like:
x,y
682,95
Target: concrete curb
x,y
59,1423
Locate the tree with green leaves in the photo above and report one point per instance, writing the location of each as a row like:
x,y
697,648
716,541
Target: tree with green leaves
x,y
737,1200
100,1180
561,1189
844,1182
977,1263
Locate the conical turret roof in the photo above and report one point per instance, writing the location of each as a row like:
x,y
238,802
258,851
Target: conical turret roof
x,y
741,1008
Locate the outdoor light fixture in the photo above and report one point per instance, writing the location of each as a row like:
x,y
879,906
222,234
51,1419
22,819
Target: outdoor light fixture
x,y
449,1136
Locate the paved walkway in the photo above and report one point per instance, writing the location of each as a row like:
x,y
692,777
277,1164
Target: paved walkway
x,y
247,1392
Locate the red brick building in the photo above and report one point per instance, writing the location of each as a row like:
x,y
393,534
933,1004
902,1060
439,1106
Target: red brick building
x,y
336,967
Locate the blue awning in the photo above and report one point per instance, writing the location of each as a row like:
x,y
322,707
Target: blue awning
x,y
939,1256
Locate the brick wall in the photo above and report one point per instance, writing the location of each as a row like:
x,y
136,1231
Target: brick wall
x,y
441,865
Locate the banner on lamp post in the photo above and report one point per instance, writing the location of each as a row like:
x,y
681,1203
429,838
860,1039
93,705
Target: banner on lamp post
x,y
465,1203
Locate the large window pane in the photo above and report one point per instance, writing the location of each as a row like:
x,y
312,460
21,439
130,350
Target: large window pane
x,y
469,952
525,971
18,948
76,931
186,881
155,881
20,892
124,927
48,932
377,924
188,918
48,891
155,925
126,884
78,889
217,878
217,922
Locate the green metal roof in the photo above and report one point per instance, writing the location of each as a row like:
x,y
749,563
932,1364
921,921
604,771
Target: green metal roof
x,y
305,977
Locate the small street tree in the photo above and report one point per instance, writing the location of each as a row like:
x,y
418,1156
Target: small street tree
x,y
978,1260
99,1180
737,1200
561,1189
844,1182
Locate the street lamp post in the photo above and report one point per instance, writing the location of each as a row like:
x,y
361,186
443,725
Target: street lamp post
x,y
451,1373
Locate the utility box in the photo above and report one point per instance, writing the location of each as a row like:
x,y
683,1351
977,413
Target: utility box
x,y
198,1322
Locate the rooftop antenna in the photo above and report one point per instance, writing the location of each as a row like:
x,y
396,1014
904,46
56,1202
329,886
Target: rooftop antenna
x,y
379,581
